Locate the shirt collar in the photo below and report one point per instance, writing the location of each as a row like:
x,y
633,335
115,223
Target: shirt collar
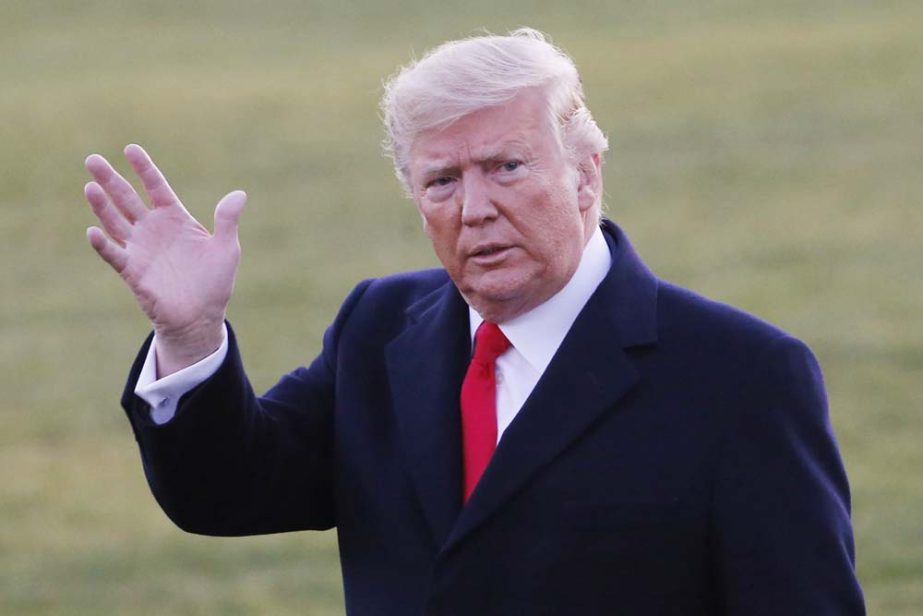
x,y
537,334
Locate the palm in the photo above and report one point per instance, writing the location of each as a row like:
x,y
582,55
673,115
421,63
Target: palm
x,y
176,270
181,275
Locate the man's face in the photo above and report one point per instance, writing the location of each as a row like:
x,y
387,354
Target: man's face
x,y
507,212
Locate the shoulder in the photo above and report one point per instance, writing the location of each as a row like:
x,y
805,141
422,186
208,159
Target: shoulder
x,y
379,307
393,295
405,288
729,356
749,371
685,316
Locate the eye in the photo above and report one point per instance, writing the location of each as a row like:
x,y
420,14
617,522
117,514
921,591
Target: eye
x,y
441,181
510,171
439,188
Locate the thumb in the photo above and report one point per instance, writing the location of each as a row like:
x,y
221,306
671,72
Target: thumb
x,y
227,215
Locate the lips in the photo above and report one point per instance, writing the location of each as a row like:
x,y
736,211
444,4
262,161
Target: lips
x,y
489,253
483,252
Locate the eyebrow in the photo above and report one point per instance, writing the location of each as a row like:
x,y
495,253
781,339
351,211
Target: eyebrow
x,y
495,153
437,169
505,150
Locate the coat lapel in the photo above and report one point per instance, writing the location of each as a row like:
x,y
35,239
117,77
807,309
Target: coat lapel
x,y
426,366
588,375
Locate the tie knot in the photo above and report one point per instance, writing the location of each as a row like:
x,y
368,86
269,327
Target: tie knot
x,y
489,343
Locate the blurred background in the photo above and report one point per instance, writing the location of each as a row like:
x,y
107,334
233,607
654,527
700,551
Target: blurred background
x,y
769,155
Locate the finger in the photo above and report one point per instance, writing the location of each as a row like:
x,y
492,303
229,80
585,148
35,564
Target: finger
x,y
113,221
118,188
111,253
155,184
227,215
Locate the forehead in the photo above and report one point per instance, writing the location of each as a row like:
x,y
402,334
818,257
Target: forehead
x,y
523,123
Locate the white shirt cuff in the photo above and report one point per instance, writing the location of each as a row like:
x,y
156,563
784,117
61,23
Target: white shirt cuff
x,y
163,394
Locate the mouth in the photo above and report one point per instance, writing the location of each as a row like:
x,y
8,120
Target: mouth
x,y
490,250
489,254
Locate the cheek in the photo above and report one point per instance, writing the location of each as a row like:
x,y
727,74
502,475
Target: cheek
x,y
425,221
558,235
434,220
554,224
442,232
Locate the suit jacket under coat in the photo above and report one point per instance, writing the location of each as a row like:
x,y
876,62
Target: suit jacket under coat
x,y
675,458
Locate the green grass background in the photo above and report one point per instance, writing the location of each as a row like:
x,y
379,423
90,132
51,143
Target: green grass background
x,y
767,154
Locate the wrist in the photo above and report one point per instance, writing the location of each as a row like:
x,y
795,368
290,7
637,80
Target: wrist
x,y
179,349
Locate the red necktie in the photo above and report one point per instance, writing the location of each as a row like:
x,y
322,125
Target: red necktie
x,y
479,403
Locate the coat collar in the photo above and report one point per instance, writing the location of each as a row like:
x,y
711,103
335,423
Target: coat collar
x,y
587,376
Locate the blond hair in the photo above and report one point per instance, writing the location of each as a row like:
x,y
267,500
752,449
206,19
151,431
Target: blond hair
x,y
460,77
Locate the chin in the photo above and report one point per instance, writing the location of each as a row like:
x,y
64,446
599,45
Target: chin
x,y
499,304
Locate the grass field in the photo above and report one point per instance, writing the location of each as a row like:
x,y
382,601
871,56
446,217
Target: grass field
x,y
766,154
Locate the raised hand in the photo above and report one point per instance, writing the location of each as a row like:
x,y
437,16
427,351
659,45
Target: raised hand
x,y
181,275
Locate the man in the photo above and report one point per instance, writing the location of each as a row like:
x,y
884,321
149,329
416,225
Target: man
x,y
614,444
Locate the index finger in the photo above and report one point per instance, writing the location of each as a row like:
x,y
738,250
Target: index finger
x,y
155,184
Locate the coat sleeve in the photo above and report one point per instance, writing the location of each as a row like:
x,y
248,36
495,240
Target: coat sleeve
x,y
231,463
781,531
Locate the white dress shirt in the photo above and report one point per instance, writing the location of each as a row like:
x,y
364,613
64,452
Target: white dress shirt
x,y
535,337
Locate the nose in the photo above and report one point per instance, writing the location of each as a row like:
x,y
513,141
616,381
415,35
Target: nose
x,y
477,205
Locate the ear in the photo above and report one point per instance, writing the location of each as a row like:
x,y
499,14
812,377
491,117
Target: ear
x,y
589,182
